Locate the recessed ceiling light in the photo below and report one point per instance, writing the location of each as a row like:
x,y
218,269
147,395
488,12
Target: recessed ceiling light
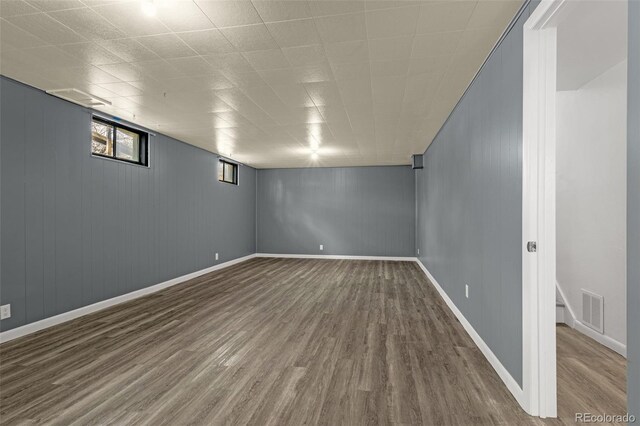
x,y
148,8
314,155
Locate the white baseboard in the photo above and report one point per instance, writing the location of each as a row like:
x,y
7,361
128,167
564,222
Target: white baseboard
x,y
332,256
24,330
604,340
508,380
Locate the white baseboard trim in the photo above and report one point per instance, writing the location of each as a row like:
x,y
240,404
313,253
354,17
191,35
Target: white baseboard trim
x,y
508,380
33,327
604,340
331,256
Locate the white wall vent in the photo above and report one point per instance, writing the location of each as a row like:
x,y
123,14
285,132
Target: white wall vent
x,y
77,96
593,311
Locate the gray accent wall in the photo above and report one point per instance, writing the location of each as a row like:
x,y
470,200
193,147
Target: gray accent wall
x,y
469,199
367,211
76,229
633,213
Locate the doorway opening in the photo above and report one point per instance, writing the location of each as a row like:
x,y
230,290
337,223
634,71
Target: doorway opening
x,y
574,208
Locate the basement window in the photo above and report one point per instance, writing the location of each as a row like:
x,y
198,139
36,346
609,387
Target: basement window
x,y
118,142
228,172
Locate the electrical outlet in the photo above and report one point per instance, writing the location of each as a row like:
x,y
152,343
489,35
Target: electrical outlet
x,y
5,311
418,251
321,247
216,256
466,290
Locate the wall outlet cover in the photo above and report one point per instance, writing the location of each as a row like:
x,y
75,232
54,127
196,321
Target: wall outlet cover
x,y
321,247
5,311
216,256
466,290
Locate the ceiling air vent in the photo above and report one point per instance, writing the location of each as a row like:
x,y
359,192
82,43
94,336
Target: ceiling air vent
x,y
79,97
593,310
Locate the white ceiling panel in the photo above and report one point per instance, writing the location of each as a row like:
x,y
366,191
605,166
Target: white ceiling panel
x,y
266,82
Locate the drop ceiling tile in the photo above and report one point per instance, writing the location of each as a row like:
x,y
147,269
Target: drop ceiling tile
x,y
350,51
420,86
313,73
12,37
305,55
388,49
264,97
394,22
280,76
246,79
444,16
324,93
389,68
351,70
16,7
207,42
51,5
46,28
276,10
192,65
493,13
53,57
293,95
232,62
266,59
121,89
124,71
250,37
128,49
299,32
435,44
184,16
341,28
387,88
390,4
355,92
335,7
88,24
166,46
230,13
129,18
335,116
91,53
431,64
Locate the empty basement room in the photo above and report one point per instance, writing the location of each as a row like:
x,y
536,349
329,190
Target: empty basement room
x,y
336,212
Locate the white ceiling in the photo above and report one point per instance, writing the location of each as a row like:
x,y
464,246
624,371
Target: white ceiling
x,y
591,39
370,82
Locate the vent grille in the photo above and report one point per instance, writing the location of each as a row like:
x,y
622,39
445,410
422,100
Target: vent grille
x,y
79,97
593,311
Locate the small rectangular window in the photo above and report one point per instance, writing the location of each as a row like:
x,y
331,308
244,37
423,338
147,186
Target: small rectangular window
x,y
119,142
228,172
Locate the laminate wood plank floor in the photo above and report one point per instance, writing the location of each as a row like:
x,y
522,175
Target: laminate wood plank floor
x,y
266,342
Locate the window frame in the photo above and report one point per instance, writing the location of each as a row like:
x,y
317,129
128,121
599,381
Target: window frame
x,y
221,163
143,142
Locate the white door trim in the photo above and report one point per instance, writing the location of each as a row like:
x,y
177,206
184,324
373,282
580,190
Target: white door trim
x,y
538,208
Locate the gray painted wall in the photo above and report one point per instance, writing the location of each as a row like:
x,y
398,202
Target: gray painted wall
x,y
368,211
633,213
469,197
77,230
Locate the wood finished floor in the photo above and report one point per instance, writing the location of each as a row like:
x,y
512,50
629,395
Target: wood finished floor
x,y
273,341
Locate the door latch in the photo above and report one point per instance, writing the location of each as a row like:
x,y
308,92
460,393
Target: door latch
x,y
532,247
